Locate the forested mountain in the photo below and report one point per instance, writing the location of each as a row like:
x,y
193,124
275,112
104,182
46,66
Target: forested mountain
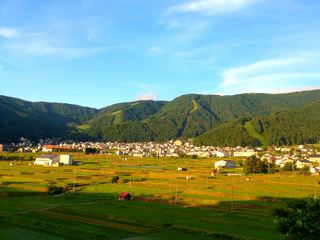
x,y
191,115
244,119
123,122
37,120
288,127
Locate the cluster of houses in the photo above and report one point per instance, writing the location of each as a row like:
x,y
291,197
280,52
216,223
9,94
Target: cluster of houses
x,y
139,149
280,156
177,149
298,160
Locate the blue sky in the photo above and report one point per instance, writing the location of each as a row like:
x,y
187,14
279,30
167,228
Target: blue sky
x,y
99,52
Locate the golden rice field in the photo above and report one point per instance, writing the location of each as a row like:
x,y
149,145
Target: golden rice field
x,y
165,204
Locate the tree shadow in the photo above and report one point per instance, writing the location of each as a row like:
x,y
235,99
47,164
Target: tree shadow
x,y
145,215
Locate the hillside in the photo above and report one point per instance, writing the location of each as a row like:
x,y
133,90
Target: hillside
x,y
191,115
296,126
244,119
125,112
300,125
35,120
123,122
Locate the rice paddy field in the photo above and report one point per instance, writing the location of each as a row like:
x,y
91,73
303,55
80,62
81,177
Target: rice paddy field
x,y
165,204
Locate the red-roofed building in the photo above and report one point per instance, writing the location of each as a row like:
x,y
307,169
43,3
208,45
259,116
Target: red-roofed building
x,y
56,148
124,196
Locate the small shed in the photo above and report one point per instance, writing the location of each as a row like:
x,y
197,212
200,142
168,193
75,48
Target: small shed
x,y
125,196
182,169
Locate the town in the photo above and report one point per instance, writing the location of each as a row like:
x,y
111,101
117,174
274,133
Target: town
x,y
297,157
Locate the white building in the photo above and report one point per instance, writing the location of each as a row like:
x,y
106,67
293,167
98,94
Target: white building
x,y
140,155
53,160
314,158
314,170
225,164
302,163
66,159
178,142
222,154
47,160
244,154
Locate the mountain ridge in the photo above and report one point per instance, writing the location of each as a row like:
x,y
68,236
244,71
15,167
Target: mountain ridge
x,y
186,116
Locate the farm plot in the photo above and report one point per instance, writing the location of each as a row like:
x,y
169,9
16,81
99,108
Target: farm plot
x,y
166,202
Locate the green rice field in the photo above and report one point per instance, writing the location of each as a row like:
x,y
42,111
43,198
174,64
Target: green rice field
x,y
164,205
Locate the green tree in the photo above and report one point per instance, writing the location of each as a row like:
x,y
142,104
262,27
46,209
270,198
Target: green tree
x,y
254,165
305,171
288,167
299,219
91,150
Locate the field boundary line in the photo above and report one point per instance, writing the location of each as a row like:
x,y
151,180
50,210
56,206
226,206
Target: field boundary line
x,y
48,208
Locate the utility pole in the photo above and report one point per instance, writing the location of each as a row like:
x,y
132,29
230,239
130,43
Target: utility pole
x,y
232,198
176,197
293,168
207,179
232,207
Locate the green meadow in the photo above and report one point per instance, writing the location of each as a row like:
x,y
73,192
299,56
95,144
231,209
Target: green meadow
x,y
165,204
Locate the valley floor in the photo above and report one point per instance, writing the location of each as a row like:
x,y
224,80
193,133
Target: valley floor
x,y
165,204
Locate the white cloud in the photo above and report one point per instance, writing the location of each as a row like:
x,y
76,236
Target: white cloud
x,y
234,76
156,50
8,32
193,31
211,7
273,75
173,24
147,91
40,49
186,29
146,96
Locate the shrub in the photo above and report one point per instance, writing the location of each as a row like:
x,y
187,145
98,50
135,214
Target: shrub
x,y
305,171
55,190
299,219
288,167
115,179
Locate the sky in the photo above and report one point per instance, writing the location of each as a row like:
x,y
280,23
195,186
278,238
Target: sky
x,y
100,52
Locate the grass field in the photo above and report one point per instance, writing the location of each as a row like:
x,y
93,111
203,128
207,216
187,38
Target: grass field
x,y
252,132
165,204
